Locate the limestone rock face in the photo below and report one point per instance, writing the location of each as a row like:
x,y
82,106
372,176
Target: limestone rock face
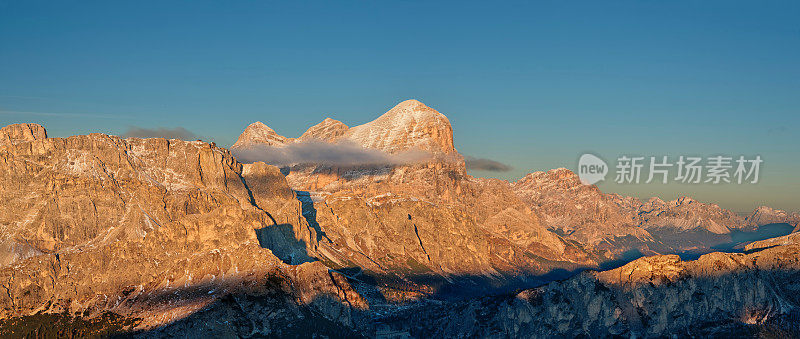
x,y
68,192
259,134
147,228
21,132
433,221
269,189
328,130
581,211
409,125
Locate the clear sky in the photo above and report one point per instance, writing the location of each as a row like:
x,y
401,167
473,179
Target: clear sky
x,y
532,85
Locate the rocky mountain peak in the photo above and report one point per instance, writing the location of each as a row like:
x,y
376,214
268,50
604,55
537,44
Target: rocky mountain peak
x,y
559,178
259,133
562,174
329,130
411,104
409,125
683,201
767,211
766,215
22,132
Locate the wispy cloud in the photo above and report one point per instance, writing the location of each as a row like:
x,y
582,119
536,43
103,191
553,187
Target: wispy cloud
x,y
69,115
482,164
179,133
322,153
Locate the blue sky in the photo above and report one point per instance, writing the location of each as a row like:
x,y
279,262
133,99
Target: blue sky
x,y
533,85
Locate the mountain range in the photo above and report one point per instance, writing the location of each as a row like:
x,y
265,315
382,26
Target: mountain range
x,y
375,230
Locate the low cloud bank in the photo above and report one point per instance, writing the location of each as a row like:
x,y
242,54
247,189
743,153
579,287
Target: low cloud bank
x,y
482,164
179,133
343,154
349,154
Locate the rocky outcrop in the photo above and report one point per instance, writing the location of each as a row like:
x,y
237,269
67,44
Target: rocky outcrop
x,y
150,229
21,132
61,194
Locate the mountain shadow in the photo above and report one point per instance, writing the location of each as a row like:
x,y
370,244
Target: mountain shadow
x,y
310,213
281,240
582,306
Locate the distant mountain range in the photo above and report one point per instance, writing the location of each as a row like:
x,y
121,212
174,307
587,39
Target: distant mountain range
x,y
359,231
